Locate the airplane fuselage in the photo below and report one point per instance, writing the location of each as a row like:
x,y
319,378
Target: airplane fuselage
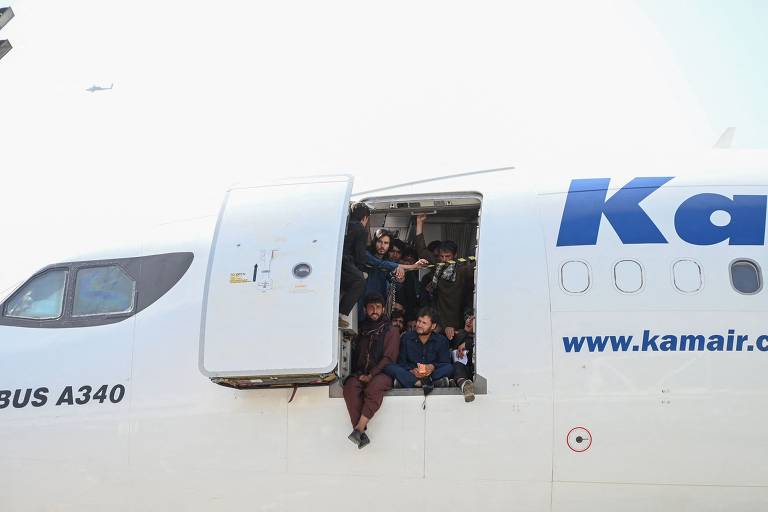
x,y
624,370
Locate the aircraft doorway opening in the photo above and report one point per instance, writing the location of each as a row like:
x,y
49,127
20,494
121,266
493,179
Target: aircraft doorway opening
x,y
415,224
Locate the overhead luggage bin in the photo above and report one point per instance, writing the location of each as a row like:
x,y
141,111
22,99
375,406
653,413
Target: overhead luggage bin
x,y
270,309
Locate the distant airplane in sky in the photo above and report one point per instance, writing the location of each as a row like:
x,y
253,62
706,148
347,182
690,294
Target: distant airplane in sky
x,y
95,88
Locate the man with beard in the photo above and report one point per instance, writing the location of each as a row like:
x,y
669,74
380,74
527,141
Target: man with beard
x,y
375,348
398,320
452,285
424,358
382,270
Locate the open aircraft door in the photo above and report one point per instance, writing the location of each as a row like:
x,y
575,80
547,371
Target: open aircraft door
x,y
270,309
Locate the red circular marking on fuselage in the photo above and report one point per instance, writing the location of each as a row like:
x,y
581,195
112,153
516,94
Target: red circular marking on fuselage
x,y
568,435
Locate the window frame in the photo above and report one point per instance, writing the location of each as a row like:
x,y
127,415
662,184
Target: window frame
x,y
37,275
155,275
673,276
615,280
134,294
590,279
759,275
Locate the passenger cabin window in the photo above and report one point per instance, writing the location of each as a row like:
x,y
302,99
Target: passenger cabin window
x,y
628,276
103,290
574,277
42,298
687,276
745,277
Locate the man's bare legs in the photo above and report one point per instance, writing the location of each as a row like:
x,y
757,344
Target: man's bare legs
x,y
362,424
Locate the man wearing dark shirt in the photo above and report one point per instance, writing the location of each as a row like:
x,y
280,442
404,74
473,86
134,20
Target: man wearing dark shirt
x,y
462,348
424,355
375,348
354,260
452,285
398,320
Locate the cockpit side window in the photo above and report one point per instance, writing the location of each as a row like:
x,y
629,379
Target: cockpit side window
x,y
102,291
42,298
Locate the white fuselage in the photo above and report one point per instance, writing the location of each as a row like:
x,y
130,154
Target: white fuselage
x,y
663,429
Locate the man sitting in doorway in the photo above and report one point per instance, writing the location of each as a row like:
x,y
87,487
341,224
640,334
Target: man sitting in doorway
x,y
375,348
425,359
462,348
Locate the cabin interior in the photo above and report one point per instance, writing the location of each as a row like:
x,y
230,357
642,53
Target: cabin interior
x,y
453,217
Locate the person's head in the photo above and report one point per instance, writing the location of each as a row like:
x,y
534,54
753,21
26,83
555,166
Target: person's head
x,y
396,250
447,251
409,255
398,319
411,325
469,320
382,239
433,247
360,212
426,321
374,306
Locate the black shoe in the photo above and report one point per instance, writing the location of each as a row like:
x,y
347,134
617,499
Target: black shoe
x,y
356,437
396,384
364,441
442,383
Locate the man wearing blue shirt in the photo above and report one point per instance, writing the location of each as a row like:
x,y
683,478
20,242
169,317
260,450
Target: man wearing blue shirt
x,y
381,271
425,359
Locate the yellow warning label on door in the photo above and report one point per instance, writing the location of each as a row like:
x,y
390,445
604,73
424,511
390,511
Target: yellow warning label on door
x,y
238,277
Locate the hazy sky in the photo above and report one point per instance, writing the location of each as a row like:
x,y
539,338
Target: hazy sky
x,y
208,94
721,49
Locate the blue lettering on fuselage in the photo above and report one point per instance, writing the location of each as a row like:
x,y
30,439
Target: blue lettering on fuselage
x,y
586,204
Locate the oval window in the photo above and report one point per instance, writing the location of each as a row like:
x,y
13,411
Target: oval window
x,y
745,277
574,276
628,276
687,276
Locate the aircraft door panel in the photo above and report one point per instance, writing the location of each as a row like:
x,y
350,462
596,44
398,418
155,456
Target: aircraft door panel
x,y
271,303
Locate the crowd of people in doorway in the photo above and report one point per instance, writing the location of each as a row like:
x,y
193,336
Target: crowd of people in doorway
x,y
412,333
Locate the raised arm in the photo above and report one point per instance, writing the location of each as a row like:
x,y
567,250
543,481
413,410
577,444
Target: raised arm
x,y
421,245
392,266
379,263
